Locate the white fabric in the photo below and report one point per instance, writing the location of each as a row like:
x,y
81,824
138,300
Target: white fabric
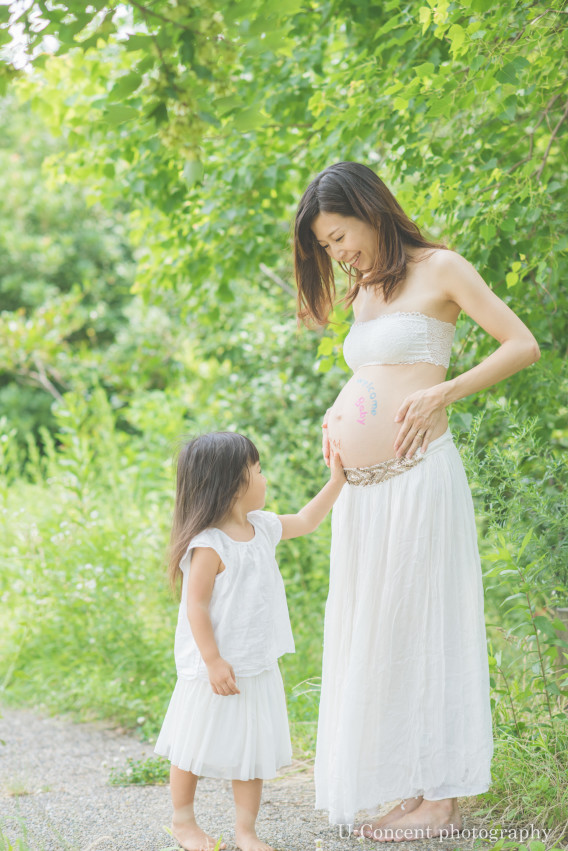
x,y
237,737
405,697
399,338
248,606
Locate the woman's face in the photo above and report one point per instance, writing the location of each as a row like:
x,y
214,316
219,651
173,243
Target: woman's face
x,y
346,239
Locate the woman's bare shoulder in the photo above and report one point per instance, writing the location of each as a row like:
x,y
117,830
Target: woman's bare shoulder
x,y
446,260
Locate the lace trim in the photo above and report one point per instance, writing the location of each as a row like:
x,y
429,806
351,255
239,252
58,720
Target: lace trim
x,y
405,313
400,362
440,343
382,471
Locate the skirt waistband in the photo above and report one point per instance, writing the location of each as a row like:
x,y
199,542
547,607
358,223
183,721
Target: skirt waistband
x,y
385,470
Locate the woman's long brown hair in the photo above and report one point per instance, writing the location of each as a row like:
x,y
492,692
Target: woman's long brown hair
x,y
210,470
350,189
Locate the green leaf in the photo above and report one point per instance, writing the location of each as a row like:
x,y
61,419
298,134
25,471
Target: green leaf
x,y
193,172
187,51
509,72
326,346
544,624
512,278
249,119
159,113
225,105
425,70
282,7
528,534
116,114
139,42
208,117
441,106
125,85
424,16
202,71
456,34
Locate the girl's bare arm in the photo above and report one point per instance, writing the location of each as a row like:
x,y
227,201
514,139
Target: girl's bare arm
x,y
205,564
310,516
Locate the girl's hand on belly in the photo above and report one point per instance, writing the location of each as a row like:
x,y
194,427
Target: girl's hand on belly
x,y
421,412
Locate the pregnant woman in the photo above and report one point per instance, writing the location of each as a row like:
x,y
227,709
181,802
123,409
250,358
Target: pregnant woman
x,y
405,707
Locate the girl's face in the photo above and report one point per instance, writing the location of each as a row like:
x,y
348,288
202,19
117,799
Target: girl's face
x,y
255,494
346,239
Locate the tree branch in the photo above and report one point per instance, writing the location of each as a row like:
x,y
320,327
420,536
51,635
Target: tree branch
x,y
277,280
550,141
146,11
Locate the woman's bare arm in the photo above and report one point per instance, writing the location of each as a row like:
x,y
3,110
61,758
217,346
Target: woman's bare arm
x,y
519,348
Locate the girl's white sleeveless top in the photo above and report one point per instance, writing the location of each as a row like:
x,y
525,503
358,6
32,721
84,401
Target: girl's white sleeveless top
x,y
401,337
248,606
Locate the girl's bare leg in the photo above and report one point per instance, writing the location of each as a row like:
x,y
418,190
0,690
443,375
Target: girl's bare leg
x,y
184,827
247,795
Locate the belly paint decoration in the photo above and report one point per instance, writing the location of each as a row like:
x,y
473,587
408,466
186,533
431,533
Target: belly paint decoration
x,y
360,403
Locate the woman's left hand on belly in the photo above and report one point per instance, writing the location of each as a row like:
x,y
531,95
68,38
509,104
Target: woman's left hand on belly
x,y
420,412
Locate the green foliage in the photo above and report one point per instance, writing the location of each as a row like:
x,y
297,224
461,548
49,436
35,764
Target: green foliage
x,y
66,271
141,772
20,843
529,786
459,107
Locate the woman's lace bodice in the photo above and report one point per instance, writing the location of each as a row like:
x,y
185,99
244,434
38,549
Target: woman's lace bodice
x,y
399,338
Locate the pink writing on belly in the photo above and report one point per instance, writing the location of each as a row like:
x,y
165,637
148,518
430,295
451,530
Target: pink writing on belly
x,y
360,403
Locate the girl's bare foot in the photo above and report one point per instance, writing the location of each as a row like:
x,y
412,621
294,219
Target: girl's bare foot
x,y
192,838
429,819
248,841
405,806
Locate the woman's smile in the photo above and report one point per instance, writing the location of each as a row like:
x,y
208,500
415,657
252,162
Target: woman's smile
x,y
346,239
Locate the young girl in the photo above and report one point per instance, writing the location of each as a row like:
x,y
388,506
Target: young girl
x,y
227,716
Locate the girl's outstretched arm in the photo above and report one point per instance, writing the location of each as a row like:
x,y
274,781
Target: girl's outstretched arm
x,y
310,516
205,564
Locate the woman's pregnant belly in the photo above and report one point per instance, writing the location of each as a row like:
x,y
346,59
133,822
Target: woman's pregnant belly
x,y
361,423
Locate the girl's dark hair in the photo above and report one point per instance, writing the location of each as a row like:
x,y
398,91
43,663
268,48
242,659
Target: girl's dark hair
x,y
350,189
210,470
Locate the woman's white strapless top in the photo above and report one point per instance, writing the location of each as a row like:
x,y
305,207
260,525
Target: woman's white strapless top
x,y
399,338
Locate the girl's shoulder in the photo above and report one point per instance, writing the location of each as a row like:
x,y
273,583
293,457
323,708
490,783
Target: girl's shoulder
x,y
268,523
210,537
268,530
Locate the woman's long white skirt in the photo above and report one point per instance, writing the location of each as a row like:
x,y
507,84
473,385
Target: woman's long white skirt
x,y
237,737
405,698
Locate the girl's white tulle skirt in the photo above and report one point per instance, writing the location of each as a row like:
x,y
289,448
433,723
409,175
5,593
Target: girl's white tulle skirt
x,y
236,737
405,697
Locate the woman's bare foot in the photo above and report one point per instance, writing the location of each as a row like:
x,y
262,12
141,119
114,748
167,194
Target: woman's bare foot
x,y
247,840
405,806
429,819
192,838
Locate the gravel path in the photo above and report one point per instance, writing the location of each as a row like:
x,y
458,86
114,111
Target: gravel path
x,y
54,788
